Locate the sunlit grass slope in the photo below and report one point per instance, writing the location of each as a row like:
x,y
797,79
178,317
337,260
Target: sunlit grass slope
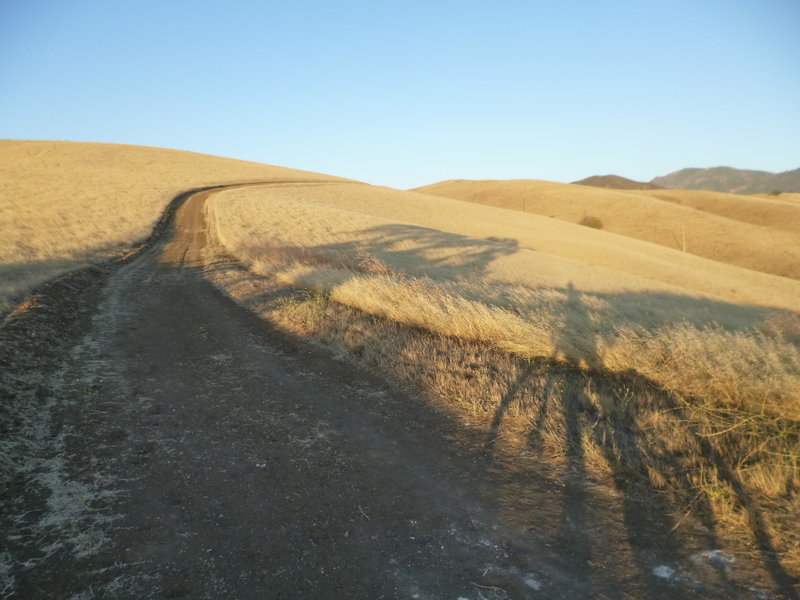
x,y
65,203
775,212
465,303
525,283
428,235
758,233
792,197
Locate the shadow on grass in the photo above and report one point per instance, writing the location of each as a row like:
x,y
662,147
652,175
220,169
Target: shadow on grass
x,y
409,249
598,415
600,412
446,257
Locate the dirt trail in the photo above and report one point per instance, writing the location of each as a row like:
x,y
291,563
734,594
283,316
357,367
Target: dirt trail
x,y
191,451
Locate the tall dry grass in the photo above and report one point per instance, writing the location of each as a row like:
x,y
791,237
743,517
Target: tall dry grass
x,y
734,471
442,238
688,394
744,369
693,345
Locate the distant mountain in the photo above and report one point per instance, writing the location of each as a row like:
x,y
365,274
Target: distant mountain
x,y
617,182
727,179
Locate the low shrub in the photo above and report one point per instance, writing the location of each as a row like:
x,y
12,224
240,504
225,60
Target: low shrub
x,y
591,221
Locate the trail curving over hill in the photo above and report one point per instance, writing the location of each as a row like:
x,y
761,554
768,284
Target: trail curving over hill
x,y
188,449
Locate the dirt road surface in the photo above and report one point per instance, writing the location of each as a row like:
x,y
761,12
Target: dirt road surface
x,y
180,447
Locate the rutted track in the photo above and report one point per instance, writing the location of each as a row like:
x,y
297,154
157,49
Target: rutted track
x,y
192,451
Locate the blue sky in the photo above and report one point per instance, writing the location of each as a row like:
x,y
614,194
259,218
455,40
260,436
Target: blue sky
x,y
409,93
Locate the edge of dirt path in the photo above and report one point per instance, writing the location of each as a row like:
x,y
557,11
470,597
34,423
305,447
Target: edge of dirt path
x,y
53,291
37,337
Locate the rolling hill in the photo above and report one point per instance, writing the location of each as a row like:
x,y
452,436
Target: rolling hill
x,y
661,344
64,205
761,234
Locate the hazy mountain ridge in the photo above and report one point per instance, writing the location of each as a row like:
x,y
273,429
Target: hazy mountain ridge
x,y
616,182
728,179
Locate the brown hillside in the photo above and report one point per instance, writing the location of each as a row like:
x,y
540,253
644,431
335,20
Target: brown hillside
x,y
616,182
63,204
778,212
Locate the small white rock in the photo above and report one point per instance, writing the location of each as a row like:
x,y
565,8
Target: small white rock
x,y
664,572
532,583
719,557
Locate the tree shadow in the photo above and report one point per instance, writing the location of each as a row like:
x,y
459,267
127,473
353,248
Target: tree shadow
x,y
443,256
756,521
602,410
572,532
578,342
647,514
409,249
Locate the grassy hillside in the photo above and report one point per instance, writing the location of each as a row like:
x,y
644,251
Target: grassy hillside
x,y
64,204
756,233
663,370
512,300
783,197
520,277
773,212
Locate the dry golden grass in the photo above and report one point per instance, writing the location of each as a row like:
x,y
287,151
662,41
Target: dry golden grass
x,y
783,196
381,270
660,369
530,303
441,238
755,232
64,204
775,212
732,472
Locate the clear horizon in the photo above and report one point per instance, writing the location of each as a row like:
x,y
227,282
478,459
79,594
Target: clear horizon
x,y
406,95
